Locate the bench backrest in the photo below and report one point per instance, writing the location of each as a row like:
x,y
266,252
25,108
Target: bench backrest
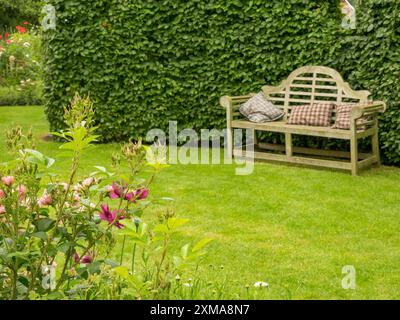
x,y
313,84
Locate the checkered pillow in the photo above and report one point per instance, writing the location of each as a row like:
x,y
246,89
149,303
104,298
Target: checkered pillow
x,y
343,114
259,109
312,115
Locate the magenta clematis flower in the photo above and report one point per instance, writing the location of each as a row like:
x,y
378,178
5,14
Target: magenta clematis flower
x,y
116,191
142,193
111,216
8,181
3,210
139,194
88,259
21,192
2,194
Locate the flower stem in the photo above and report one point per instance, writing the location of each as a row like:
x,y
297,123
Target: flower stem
x,y
134,251
122,251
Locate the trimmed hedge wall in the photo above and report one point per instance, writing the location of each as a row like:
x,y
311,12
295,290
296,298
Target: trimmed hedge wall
x,y
147,62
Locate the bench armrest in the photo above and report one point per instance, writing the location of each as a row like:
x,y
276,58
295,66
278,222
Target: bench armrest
x,y
372,108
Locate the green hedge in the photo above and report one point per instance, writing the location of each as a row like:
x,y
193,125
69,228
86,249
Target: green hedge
x,y
147,62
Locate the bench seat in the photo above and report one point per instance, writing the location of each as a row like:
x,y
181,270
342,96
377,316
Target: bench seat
x,y
283,127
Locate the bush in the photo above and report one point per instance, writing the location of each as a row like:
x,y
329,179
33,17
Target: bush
x,y
148,62
27,94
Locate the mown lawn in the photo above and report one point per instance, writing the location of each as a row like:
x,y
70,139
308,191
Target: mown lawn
x,y
294,228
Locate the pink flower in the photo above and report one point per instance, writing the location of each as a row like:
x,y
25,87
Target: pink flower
x,y
88,182
116,191
8,41
8,181
26,23
21,192
2,209
45,201
111,216
87,259
6,35
142,193
139,194
2,194
77,197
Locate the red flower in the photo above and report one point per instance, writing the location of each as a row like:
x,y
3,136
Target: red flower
x,y
21,29
111,216
6,35
1,37
26,23
8,41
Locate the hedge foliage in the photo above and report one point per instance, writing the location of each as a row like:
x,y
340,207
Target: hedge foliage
x,y
147,62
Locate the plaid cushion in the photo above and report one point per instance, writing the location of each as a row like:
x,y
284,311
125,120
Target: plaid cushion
x,y
312,115
258,117
343,113
259,109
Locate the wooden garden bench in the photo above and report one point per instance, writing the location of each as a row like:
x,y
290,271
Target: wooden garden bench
x,y
304,86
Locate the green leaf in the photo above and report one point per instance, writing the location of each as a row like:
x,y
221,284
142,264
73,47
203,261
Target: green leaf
x,y
201,244
41,235
38,158
185,251
123,272
94,267
175,223
111,263
45,224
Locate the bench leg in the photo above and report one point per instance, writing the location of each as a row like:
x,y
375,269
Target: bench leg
x,y
229,142
289,145
375,147
354,156
254,137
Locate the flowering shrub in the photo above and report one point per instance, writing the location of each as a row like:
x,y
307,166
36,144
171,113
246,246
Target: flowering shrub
x,y
20,65
56,235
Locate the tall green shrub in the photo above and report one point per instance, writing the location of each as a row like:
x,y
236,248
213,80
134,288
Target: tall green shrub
x,y
147,62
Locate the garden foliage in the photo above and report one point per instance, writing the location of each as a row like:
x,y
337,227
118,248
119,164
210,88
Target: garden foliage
x,y
20,66
148,62
13,11
58,237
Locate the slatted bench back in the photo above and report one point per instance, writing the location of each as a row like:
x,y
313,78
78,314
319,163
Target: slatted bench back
x,y
313,84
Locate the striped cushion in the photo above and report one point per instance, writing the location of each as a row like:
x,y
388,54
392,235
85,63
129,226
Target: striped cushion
x,y
259,109
343,115
316,114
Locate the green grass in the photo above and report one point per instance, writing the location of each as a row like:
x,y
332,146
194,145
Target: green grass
x,y
294,228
